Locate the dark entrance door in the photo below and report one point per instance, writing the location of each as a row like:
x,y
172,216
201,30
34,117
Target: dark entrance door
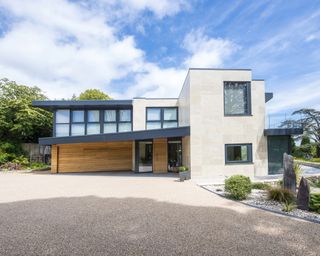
x,y
277,146
174,154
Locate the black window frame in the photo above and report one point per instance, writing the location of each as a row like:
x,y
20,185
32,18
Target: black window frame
x,y
249,152
87,121
162,121
117,122
248,92
55,122
123,122
72,122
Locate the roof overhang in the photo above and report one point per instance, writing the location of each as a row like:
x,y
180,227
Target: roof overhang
x,y
283,131
121,136
268,96
81,104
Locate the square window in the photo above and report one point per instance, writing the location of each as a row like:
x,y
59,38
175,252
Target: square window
x,y
170,114
125,115
62,116
153,114
93,129
153,125
110,116
237,98
110,128
124,127
62,130
77,129
238,153
78,116
93,116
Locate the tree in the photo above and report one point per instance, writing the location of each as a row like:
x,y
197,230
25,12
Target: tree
x,y
310,120
19,121
93,94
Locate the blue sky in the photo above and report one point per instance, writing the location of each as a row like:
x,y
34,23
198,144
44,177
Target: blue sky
x,y
133,48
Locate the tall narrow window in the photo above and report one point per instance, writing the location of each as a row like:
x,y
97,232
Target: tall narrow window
x,y
93,125
237,98
62,124
238,153
124,120
77,126
170,117
153,118
110,121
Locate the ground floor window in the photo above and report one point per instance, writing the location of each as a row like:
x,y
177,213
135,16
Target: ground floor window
x,y
238,153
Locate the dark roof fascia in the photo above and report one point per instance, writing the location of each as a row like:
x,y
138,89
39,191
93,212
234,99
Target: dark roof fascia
x,y
82,104
268,96
283,131
223,69
121,136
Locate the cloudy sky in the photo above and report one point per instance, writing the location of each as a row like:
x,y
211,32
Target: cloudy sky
x,y
133,48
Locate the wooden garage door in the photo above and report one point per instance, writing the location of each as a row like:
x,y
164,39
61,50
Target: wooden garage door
x,y
91,157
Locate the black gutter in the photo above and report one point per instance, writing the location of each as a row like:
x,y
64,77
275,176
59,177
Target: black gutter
x,y
121,136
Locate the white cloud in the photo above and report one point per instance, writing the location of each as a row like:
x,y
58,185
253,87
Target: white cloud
x,y
207,52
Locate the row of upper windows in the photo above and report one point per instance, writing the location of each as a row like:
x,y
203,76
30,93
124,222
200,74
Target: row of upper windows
x,y
87,122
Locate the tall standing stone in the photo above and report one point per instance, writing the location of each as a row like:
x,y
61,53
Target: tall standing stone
x,y
303,194
289,176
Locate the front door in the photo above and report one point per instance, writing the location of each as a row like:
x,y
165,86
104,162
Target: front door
x,y
144,154
174,154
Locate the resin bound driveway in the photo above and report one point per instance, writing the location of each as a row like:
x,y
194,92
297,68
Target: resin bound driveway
x,y
112,214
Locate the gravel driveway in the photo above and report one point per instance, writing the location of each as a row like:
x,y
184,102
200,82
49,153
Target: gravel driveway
x,y
125,214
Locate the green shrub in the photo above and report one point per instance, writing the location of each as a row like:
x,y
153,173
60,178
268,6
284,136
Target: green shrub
x,y
183,168
288,207
281,195
37,165
314,203
260,185
238,186
298,171
22,160
314,181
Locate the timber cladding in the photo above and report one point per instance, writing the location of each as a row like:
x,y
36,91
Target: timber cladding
x,y
160,155
92,157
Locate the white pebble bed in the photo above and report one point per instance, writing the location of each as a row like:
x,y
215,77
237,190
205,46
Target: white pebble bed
x,y
258,198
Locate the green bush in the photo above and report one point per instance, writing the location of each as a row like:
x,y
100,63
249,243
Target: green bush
x,y
314,203
238,186
281,195
22,160
183,168
37,165
260,185
288,207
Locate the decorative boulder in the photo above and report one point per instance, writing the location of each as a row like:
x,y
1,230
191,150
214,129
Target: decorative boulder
x,y
289,176
303,195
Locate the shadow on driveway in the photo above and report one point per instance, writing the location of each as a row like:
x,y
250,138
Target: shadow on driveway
x,y
137,226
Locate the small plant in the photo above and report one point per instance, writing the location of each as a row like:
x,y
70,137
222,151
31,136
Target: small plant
x,y
314,203
298,171
183,168
37,165
238,186
280,183
281,195
288,207
260,185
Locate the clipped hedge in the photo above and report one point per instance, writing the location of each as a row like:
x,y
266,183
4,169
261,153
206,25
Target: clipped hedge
x,y
238,186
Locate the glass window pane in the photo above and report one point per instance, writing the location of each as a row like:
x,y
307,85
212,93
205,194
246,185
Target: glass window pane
x,y
77,129
78,116
93,116
238,153
62,130
169,124
110,128
125,115
63,116
124,127
170,114
236,98
153,125
93,128
109,115
153,114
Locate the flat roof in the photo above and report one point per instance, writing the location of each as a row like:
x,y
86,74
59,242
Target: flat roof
x,y
283,131
83,104
223,69
120,136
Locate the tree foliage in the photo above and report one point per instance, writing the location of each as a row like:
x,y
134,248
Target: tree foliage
x,y
93,94
310,120
19,121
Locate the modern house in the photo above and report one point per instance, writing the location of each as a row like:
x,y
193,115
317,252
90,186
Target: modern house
x,y
216,127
